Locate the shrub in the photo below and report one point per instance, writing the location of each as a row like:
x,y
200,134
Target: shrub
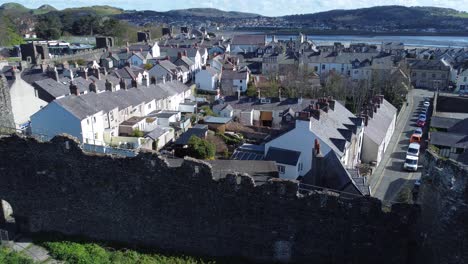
x,y
207,111
89,253
137,133
201,148
8,256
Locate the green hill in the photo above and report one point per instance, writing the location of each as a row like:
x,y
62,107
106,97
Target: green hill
x,y
97,10
210,12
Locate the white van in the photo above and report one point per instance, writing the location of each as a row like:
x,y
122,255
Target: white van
x,y
413,149
411,163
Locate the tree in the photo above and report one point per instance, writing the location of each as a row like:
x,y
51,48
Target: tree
x,y
148,66
207,110
201,148
49,26
9,32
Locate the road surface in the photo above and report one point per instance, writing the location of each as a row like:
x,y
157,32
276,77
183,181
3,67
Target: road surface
x,y
389,177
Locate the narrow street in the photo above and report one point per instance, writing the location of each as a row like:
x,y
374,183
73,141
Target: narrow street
x,y
389,177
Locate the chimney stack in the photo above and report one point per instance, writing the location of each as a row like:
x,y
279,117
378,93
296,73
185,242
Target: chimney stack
x,y
318,166
146,81
179,55
83,72
73,89
123,84
238,94
93,87
108,86
164,79
153,80
55,74
134,83
331,103
97,73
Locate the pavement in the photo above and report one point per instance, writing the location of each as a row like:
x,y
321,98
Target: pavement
x,y
37,253
389,177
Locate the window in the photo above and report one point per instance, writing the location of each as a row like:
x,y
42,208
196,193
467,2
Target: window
x,y
433,75
240,81
87,120
315,69
281,169
94,119
149,106
323,67
111,116
414,74
464,79
299,168
95,135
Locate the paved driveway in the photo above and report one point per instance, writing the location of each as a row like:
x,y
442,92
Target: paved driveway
x,y
389,177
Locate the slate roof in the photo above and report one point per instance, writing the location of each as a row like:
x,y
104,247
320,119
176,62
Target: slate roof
x,y
233,75
260,171
449,139
378,126
217,120
443,122
330,127
157,132
184,60
460,127
428,65
283,156
248,103
341,58
185,137
249,39
91,103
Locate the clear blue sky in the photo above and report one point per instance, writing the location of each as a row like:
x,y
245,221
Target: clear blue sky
x,y
264,7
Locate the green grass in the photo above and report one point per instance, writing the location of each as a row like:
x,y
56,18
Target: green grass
x,y
8,256
84,253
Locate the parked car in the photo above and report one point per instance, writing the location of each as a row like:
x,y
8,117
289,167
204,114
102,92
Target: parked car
x,y
427,104
422,117
421,123
411,163
418,131
413,149
416,138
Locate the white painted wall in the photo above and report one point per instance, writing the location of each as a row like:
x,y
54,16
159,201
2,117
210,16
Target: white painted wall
x,y
300,139
24,102
205,81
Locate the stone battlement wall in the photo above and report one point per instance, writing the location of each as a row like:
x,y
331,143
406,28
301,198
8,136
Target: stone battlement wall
x,y
140,201
444,202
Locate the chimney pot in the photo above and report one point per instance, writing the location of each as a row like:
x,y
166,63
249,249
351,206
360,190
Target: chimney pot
x,y
108,86
73,89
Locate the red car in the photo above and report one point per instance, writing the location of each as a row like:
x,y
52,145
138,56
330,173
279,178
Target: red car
x,y
421,123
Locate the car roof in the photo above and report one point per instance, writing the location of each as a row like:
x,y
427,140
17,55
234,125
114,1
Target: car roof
x,y
414,145
416,135
410,157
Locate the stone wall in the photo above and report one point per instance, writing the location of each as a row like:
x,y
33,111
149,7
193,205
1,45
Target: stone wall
x,y
140,201
6,114
444,201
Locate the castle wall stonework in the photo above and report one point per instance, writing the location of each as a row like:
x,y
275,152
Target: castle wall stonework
x,y
140,201
444,210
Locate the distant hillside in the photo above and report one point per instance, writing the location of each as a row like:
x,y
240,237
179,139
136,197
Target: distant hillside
x,y
14,8
97,10
401,15
209,12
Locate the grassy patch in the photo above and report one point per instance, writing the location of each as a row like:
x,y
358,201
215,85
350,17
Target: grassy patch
x,y
8,256
83,253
